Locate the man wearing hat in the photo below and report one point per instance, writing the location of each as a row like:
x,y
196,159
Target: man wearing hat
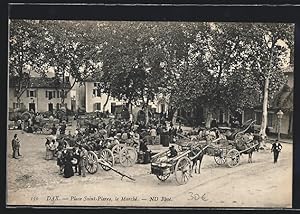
x,y
16,146
173,152
276,148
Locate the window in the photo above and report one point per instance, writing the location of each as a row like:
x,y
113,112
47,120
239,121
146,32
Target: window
x,y
258,116
162,108
96,92
31,93
270,120
96,84
50,94
58,94
15,105
97,106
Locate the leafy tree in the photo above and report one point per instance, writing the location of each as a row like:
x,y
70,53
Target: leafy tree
x,y
25,45
268,44
70,48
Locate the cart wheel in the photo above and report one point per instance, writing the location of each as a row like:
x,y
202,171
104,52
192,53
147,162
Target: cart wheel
x,y
46,130
25,115
183,170
108,157
128,156
233,158
220,160
116,152
92,162
163,177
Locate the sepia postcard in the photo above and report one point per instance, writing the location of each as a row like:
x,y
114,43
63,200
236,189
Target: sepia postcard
x,y
150,114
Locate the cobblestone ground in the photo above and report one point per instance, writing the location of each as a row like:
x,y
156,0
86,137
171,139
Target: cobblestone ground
x,y
31,180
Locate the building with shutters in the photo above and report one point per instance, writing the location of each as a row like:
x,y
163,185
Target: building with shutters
x,y
284,101
43,94
90,98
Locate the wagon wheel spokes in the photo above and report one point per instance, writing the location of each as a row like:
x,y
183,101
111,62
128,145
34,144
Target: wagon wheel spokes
x,y
108,157
183,170
92,162
116,152
128,156
220,160
163,177
233,158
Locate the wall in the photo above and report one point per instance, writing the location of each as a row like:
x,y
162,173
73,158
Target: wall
x,y
41,101
91,100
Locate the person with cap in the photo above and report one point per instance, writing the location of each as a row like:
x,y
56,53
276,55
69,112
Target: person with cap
x,y
16,146
173,152
276,148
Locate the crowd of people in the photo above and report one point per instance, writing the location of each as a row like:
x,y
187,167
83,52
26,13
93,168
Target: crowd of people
x,y
70,149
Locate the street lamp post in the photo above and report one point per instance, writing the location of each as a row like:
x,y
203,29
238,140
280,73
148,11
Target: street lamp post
x,y
279,117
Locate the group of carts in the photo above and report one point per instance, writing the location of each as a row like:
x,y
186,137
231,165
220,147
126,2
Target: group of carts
x,y
126,153
224,151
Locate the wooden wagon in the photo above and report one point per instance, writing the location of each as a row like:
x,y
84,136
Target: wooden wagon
x,y
181,165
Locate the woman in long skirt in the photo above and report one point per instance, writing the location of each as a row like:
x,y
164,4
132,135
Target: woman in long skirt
x,y
68,167
49,153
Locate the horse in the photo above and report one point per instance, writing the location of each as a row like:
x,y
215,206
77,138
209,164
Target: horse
x,y
196,162
248,140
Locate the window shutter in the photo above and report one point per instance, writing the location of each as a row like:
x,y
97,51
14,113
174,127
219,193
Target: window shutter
x,y
34,93
94,106
46,93
27,93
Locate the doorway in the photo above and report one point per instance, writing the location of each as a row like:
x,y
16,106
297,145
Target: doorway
x,y
50,107
32,107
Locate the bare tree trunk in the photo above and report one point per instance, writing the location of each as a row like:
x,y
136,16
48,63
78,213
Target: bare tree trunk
x,y
208,119
146,115
104,106
174,118
264,120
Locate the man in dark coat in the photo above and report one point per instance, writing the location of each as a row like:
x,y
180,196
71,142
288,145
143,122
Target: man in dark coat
x,y
16,146
173,152
276,148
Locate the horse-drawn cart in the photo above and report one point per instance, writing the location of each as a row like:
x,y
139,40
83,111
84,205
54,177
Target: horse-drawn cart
x,y
181,165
